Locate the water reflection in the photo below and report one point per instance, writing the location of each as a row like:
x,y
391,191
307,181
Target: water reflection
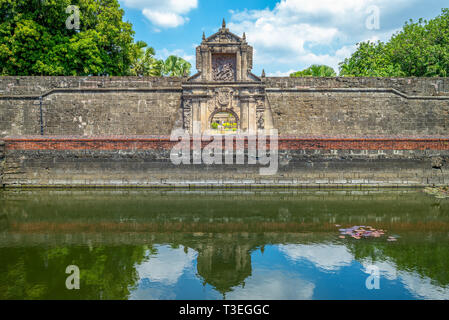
x,y
221,245
165,265
325,257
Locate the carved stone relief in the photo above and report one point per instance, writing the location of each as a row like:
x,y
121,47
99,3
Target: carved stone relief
x,y
224,97
260,111
187,114
223,67
225,57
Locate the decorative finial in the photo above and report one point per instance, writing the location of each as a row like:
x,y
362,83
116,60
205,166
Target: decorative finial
x,y
263,73
223,25
244,36
204,36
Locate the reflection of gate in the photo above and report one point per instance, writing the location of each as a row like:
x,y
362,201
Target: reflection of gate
x,y
220,118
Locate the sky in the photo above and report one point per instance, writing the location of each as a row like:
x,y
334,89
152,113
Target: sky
x,y
287,35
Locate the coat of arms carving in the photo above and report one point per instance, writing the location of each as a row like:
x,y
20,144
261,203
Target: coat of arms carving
x,y
224,97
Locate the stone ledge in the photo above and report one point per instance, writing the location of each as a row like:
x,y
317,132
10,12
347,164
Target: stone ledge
x,y
358,90
90,90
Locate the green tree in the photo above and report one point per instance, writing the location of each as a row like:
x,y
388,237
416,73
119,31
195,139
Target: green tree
x,y
144,63
175,66
34,39
370,60
315,71
420,49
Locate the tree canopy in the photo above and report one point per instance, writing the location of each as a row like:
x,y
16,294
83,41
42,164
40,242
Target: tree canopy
x,y
35,40
315,71
420,49
144,63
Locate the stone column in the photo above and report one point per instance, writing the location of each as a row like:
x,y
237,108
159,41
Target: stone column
x,y
244,66
268,117
244,114
238,66
196,112
209,76
203,115
252,115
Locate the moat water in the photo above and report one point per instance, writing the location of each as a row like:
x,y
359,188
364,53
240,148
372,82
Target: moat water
x,y
141,244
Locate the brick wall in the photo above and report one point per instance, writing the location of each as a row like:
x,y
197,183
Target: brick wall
x,y
145,161
164,143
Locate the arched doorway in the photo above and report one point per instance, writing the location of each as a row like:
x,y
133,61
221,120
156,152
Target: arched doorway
x,y
224,121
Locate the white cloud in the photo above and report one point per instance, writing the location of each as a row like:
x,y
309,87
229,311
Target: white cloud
x,y
164,19
167,266
165,53
166,13
281,74
273,285
303,32
327,257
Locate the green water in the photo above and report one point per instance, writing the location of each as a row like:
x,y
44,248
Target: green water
x,y
141,244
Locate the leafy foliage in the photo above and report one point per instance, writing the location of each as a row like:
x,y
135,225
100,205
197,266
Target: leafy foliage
x,y
144,63
34,40
315,71
176,67
420,49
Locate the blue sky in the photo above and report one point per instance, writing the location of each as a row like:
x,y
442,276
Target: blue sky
x,y
287,35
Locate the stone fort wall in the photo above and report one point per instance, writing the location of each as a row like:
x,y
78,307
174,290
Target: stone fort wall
x,y
89,106
113,131
98,106
145,162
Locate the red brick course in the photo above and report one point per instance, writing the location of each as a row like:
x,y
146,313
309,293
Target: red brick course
x,y
285,143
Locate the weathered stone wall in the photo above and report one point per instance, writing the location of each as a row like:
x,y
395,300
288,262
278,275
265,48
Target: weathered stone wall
x,y
302,162
2,160
409,86
89,106
93,106
359,106
35,86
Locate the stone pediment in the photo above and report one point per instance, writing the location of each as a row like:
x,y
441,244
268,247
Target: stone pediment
x,y
223,36
224,57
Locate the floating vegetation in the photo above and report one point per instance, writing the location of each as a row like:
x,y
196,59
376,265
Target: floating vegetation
x,y
438,192
364,232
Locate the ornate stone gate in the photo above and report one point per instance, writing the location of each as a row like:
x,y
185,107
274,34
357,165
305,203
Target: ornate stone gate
x,y
224,84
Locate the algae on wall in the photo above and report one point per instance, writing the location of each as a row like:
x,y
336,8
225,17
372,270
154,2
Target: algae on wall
x,y
2,161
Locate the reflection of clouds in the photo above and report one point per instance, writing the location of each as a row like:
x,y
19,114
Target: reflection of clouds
x,y
420,287
387,269
273,285
327,257
167,266
423,288
153,294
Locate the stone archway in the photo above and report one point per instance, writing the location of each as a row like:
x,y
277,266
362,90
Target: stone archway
x,y
224,121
